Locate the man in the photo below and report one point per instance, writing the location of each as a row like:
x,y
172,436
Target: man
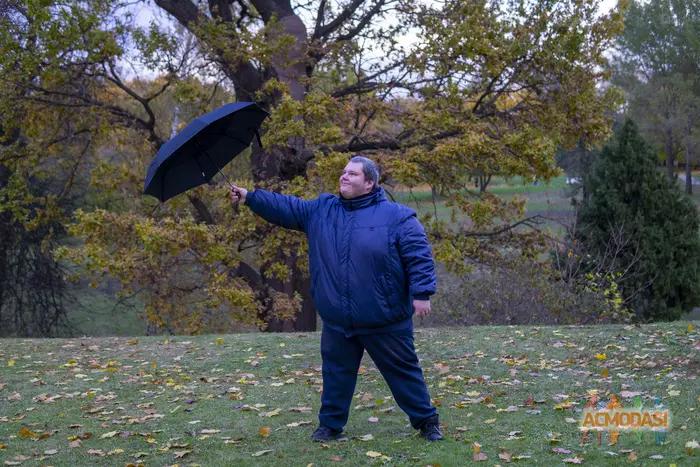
x,y
371,268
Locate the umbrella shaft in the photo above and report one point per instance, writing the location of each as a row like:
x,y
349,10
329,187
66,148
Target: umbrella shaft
x,y
217,168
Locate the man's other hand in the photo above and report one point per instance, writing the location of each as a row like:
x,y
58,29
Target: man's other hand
x,y
238,195
422,307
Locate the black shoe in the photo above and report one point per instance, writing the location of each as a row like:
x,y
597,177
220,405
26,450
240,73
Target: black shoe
x,y
323,433
431,430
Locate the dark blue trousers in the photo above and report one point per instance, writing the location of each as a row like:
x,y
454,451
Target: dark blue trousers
x,y
396,359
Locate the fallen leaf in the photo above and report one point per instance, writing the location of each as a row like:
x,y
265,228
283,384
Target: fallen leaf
x,y
570,420
265,431
210,432
270,414
14,397
296,424
632,457
491,420
368,437
336,459
373,419
561,451
301,409
75,444
51,452
181,454
111,434
373,454
656,457
96,452
10,363
479,457
26,432
261,453
573,460
506,456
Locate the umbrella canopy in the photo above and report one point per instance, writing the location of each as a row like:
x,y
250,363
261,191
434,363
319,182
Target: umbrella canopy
x,y
193,156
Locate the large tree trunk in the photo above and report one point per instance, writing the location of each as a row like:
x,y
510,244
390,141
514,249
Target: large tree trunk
x,y
288,163
688,169
669,156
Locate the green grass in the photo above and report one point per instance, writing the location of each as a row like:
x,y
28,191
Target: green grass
x,y
197,384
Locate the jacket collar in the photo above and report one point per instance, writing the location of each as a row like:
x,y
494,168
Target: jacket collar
x,y
375,196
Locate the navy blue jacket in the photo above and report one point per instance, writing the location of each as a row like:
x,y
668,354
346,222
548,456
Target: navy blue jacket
x,y
368,257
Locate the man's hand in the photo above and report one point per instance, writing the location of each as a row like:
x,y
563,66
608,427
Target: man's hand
x,y
238,195
422,307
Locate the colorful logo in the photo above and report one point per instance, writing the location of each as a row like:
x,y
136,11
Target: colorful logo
x,y
614,418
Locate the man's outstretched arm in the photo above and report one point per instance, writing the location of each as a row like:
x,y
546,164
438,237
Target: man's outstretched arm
x,y
289,212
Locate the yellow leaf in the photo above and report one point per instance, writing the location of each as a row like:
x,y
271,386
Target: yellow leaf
x,y
605,373
373,454
153,365
265,431
151,440
110,434
26,433
690,328
220,341
601,356
11,363
477,448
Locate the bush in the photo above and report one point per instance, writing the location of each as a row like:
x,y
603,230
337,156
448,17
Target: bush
x,y
530,293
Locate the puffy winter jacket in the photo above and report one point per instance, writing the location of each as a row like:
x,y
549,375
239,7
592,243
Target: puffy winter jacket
x,y
368,257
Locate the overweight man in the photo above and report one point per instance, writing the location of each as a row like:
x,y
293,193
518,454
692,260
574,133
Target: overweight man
x,y
371,268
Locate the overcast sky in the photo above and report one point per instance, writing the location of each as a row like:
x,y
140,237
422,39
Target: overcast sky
x,y
148,11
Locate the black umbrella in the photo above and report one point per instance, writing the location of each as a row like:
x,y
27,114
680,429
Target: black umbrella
x,y
193,156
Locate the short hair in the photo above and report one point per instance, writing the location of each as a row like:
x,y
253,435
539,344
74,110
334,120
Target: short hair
x,y
369,168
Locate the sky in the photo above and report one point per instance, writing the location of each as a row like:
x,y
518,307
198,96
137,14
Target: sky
x,y
148,11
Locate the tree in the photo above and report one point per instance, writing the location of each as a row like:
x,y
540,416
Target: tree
x,y
428,113
658,65
659,255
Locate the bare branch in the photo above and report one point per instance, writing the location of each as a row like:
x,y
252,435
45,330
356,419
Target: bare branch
x,y
363,22
319,18
325,31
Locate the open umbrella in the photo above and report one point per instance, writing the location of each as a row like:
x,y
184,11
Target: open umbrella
x,y
193,156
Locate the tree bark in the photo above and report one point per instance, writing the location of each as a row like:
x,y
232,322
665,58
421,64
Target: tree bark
x,y
688,167
669,156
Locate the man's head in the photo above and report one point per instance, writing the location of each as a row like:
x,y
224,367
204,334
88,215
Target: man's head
x,y
359,177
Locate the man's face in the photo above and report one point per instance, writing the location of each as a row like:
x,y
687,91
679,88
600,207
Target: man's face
x,y
352,181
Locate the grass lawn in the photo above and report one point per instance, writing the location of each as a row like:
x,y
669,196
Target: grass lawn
x,y
252,399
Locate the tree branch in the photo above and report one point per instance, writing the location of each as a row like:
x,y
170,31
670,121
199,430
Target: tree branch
x,y
319,18
328,29
363,22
